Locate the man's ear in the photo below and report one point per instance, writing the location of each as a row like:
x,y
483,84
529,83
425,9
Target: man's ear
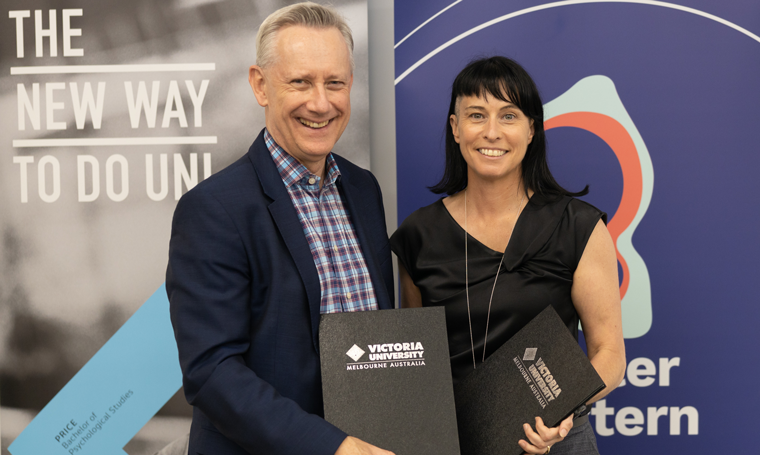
x,y
258,84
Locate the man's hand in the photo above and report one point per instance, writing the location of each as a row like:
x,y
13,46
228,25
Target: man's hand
x,y
354,446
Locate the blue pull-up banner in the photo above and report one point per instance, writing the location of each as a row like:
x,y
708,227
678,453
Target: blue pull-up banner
x,y
653,104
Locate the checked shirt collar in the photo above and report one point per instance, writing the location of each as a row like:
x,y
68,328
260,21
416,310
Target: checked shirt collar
x,y
292,172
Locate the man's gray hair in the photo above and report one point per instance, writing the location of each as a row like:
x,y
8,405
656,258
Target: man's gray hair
x,y
307,14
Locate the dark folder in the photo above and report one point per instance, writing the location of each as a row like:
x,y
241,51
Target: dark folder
x,y
541,371
386,379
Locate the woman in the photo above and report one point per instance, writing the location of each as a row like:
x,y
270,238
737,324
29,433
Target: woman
x,y
508,240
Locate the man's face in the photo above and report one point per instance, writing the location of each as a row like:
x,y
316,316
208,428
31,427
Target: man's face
x,y
306,92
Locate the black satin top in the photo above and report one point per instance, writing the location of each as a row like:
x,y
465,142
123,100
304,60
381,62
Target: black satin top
x,y
542,255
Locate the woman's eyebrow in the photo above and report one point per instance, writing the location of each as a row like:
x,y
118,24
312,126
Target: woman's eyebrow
x,y
481,107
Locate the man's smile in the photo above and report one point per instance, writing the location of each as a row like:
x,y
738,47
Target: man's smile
x,y
314,124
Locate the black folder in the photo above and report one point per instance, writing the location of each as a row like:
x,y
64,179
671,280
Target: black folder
x,y
386,379
540,371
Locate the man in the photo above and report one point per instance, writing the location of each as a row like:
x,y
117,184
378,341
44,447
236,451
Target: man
x,y
260,249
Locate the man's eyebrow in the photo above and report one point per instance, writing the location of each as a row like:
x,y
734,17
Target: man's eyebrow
x,y
310,77
294,76
338,77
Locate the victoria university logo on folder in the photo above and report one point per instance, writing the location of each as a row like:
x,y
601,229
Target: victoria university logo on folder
x,y
386,355
538,377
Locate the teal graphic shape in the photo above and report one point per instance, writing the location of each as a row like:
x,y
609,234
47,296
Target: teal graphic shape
x,y
122,386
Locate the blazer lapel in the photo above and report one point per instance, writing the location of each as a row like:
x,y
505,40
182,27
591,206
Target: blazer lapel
x,y
286,218
360,214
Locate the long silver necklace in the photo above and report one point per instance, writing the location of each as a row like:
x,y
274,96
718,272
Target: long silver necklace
x,y
467,280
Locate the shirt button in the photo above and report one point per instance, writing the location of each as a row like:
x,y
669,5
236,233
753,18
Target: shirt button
x,y
335,248
348,295
312,180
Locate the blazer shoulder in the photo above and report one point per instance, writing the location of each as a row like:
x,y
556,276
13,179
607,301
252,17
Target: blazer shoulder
x,y
238,178
241,170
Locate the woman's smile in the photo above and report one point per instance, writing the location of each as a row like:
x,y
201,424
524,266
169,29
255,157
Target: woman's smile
x,y
492,152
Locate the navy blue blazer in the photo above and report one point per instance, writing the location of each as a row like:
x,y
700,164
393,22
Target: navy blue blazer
x,y
245,295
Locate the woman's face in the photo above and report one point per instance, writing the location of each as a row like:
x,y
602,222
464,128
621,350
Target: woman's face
x,y
493,136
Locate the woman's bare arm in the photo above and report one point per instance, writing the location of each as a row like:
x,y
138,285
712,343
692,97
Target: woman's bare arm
x,y
410,294
596,296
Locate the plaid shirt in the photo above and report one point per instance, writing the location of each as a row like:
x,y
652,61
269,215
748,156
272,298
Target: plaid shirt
x,y
343,275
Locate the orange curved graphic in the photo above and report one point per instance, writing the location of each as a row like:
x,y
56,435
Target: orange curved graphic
x,y
616,136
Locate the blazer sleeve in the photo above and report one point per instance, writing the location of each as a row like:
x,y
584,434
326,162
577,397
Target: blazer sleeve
x,y
209,287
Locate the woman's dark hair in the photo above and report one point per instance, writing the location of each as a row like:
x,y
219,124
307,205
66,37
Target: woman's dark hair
x,y
506,80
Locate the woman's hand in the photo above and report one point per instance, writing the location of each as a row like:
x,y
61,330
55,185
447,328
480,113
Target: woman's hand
x,y
541,440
